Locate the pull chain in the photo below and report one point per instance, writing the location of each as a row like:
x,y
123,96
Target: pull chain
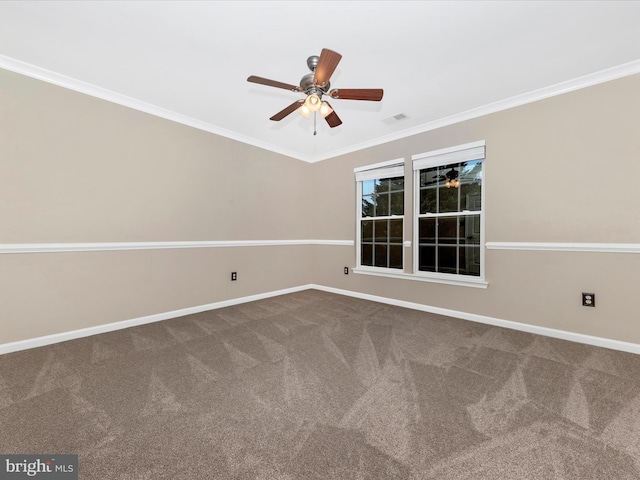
x,y
314,123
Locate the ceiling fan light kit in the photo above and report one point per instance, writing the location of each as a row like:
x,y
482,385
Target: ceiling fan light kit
x,y
316,84
313,102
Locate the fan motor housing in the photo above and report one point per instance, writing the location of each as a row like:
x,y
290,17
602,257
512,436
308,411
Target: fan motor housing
x,y
307,84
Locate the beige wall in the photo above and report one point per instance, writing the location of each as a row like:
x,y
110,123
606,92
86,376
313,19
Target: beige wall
x,y
564,169
78,169
44,294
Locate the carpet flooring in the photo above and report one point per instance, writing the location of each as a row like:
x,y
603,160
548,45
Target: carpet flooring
x,y
313,385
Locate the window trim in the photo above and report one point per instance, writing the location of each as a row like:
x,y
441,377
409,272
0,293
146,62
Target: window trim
x,y
459,153
443,278
419,161
364,173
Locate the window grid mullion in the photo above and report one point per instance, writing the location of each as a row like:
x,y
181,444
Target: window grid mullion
x,y
384,217
437,242
466,213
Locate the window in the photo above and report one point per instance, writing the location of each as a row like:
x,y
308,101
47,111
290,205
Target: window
x,y
448,232
380,215
448,217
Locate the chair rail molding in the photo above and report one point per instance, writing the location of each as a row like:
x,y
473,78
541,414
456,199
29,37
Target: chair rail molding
x,y
9,248
566,247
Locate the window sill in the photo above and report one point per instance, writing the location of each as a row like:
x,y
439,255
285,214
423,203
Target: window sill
x,y
420,277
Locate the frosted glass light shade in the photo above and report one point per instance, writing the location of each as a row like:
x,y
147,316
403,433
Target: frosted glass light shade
x,y
313,102
304,111
325,109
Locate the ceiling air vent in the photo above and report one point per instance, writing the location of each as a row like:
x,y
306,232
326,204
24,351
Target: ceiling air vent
x,y
396,118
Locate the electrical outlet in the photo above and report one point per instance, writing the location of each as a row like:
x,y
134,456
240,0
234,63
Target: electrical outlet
x,y
234,276
588,299
346,270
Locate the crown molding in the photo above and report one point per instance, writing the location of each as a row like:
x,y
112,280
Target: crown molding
x,y
49,76
589,80
70,83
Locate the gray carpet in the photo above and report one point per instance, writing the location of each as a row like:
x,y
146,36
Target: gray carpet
x,y
314,385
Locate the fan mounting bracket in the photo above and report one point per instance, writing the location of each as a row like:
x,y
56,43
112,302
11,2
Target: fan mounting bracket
x,y
312,62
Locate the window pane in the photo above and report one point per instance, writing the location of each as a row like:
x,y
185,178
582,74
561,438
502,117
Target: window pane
x,y
366,230
429,177
380,255
427,260
471,172
450,174
367,206
381,231
396,184
397,203
428,200
470,229
395,231
447,230
382,185
448,199
382,205
366,254
368,187
470,261
471,196
447,259
395,256
427,230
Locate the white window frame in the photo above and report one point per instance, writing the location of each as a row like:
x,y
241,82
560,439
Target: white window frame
x,y
388,169
460,153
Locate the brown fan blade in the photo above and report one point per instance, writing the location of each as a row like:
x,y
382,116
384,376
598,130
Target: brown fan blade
x,y
326,66
273,83
372,94
290,109
333,119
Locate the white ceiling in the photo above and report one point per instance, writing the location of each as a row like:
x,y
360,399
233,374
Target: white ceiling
x,y
438,62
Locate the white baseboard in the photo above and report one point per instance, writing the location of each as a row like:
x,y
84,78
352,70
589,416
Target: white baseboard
x,y
134,322
524,327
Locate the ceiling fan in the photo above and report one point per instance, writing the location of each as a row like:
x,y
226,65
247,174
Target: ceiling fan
x,y
315,85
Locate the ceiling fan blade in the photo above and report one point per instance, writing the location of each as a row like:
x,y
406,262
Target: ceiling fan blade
x,y
290,109
273,83
372,94
333,119
326,66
